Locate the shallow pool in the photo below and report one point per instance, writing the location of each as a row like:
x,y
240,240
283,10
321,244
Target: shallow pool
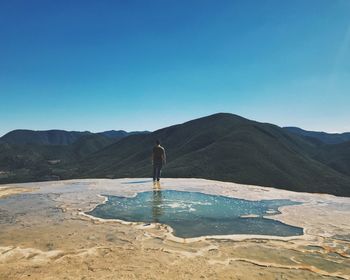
x,y
193,214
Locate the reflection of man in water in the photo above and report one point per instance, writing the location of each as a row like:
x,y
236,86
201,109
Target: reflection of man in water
x,y
158,159
156,205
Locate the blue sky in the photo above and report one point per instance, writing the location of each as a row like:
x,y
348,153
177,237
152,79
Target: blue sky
x,y
136,65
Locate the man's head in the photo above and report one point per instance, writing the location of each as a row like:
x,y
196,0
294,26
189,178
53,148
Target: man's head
x,y
157,142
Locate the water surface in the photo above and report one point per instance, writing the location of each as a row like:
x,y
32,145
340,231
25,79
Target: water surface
x,y
193,214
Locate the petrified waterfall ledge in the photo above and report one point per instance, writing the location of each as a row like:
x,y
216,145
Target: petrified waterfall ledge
x,y
45,233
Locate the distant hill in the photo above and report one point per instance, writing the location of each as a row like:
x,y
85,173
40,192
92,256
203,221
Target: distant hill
x,y
41,158
57,137
223,147
326,138
90,144
44,137
116,134
119,134
337,156
35,162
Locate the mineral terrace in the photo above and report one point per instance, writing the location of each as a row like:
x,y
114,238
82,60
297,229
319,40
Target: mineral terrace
x,y
44,234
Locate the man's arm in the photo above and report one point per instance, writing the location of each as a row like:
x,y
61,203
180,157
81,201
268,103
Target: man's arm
x,y
164,157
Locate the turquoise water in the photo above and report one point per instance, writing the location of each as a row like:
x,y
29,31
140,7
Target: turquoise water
x,y
193,214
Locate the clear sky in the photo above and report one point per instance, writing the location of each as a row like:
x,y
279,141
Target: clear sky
x,y
136,64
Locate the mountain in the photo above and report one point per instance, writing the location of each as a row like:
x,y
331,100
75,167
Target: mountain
x,y
337,156
223,147
91,143
326,138
35,162
21,160
334,148
119,134
44,137
116,134
58,137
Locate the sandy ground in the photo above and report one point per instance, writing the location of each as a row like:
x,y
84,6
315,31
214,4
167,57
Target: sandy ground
x,y
7,191
44,234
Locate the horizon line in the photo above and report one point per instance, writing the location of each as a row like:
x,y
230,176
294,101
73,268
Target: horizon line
x,y
147,130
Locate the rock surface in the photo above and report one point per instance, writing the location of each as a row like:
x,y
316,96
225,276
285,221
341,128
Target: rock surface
x,y
45,234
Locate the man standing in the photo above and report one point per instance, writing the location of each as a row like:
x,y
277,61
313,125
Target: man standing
x,y
158,159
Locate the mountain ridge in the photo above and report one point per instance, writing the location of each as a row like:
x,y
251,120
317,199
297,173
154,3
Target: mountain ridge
x,y
249,152
221,146
57,136
324,137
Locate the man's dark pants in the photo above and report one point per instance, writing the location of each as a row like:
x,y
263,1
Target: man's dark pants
x,y
157,167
